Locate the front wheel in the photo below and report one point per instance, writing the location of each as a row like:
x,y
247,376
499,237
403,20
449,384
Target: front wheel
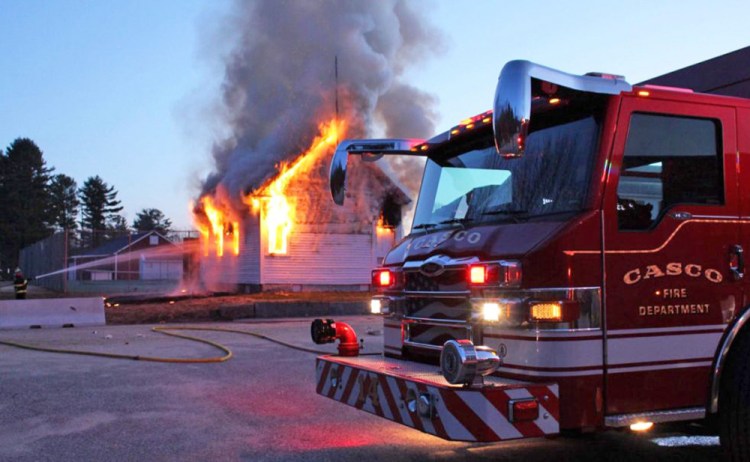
x,y
734,401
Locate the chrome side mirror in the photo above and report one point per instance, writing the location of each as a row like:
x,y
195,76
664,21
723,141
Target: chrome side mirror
x,y
370,150
512,108
511,114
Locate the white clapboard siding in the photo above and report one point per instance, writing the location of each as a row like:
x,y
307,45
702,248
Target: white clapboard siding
x,y
326,259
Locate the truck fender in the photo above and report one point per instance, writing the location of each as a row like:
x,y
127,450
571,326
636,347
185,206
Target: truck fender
x,y
734,329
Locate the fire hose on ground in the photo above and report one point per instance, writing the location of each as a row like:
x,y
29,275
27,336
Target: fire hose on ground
x,y
216,359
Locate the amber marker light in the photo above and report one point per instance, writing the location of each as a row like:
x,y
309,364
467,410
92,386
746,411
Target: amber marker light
x,y
565,311
644,93
546,312
641,426
554,100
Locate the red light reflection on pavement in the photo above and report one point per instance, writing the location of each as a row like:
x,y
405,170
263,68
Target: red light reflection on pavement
x,y
295,421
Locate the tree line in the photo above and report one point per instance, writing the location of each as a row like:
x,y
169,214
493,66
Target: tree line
x,y
35,203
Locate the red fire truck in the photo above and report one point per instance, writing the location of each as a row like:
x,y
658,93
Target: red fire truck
x,y
575,263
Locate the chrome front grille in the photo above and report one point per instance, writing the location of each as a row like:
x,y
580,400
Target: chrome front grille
x,y
458,309
452,280
435,306
431,334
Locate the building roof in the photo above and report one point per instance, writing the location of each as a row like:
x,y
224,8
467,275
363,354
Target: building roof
x,y
119,244
727,74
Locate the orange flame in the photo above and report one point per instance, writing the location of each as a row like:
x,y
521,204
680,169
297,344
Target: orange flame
x,y
218,226
381,228
216,220
278,209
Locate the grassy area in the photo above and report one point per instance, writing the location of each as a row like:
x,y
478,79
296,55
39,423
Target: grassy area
x,y
216,308
186,309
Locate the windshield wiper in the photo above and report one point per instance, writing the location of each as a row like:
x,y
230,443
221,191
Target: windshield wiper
x,y
462,221
425,226
506,212
514,214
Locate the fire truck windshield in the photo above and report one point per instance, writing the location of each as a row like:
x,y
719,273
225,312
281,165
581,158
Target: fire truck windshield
x,y
467,182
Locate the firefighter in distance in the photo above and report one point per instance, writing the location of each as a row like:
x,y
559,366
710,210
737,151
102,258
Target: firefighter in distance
x,y
20,284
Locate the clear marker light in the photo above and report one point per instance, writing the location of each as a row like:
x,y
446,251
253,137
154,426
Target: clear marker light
x,y
375,306
641,426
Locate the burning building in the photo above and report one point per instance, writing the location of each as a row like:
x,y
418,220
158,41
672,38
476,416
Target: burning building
x,y
290,234
337,71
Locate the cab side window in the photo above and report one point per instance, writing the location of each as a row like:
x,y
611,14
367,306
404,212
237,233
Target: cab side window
x,y
668,160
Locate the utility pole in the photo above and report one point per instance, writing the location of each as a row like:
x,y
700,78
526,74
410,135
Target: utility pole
x,y
336,87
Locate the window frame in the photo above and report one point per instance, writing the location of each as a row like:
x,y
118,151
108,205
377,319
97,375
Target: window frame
x,y
719,142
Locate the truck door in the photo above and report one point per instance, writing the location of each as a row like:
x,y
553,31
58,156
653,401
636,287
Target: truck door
x,y
670,222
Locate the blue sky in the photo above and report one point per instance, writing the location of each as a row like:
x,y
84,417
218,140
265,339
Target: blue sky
x,y
119,88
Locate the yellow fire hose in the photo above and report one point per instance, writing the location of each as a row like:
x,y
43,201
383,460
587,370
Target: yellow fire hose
x,y
167,331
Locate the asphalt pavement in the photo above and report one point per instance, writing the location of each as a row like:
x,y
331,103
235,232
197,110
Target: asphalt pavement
x,y
260,405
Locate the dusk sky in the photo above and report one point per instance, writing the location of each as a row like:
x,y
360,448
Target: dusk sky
x,y
123,88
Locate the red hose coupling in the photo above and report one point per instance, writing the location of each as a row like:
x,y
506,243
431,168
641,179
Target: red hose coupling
x,y
328,331
348,344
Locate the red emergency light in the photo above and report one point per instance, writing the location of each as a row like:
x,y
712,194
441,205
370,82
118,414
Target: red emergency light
x,y
383,278
523,410
503,273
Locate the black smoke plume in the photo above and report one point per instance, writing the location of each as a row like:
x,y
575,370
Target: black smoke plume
x,y
280,82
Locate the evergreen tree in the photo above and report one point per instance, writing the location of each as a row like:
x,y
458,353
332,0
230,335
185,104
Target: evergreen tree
x,y
152,219
24,188
117,225
98,203
64,202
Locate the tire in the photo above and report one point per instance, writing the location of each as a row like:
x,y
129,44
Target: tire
x,y
734,401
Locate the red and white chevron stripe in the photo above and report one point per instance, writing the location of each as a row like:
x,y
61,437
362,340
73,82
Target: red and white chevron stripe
x,y
391,388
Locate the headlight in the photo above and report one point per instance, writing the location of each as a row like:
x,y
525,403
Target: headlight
x,y
491,312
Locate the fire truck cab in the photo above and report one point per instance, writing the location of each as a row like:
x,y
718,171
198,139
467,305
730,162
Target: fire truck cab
x,y
575,262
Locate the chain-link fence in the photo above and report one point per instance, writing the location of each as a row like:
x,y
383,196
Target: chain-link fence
x,y
109,261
